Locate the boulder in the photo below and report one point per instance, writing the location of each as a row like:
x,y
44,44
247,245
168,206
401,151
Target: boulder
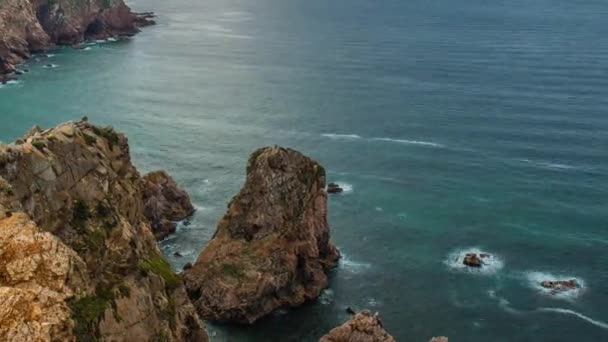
x,y
472,260
165,202
363,327
272,247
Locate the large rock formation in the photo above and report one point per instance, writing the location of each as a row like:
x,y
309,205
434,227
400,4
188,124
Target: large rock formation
x,y
363,327
165,202
28,26
78,259
272,247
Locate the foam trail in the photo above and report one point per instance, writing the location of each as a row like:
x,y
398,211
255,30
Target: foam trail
x,y
341,136
579,315
409,142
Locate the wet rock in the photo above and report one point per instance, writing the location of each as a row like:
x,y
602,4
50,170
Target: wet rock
x,y
558,286
334,188
363,327
187,266
472,260
177,254
271,249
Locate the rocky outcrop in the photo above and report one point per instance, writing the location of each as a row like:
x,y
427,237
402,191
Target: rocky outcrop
x,y
29,26
165,202
272,247
363,327
559,286
334,188
78,260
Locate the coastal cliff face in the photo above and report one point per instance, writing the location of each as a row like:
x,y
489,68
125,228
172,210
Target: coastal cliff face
x,y
272,247
78,259
28,26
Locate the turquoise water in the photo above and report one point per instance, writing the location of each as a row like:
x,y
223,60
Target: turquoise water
x,y
453,125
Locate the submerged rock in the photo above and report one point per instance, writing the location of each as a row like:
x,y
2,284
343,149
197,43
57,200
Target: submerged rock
x,y
78,259
439,339
363,327
272,247
165,202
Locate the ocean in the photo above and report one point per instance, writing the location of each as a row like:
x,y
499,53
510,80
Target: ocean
x,y
452,125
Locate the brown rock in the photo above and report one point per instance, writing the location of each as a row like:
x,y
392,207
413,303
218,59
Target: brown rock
x,y
363,327
29,26
165,203
272,247
89,244
472,260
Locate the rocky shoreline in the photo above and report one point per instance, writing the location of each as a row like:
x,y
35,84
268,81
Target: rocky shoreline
x,y
79,259
28,27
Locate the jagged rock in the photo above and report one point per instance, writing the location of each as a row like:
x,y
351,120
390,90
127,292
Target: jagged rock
x,y
29,26
334,188
91,241
363,327
165,203
472,260
272,248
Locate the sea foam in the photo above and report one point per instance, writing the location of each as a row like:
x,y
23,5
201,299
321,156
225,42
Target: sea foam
x,y
352,266
576,314
535,278
409,142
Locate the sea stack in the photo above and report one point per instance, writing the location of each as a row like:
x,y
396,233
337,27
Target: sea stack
x,y
78,260
363,327
272,248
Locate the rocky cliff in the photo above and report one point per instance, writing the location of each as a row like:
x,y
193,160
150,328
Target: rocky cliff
x,y
28,26
363,327
78,259
272,247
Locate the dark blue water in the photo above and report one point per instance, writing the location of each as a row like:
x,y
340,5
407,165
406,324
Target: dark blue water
x,y
453,125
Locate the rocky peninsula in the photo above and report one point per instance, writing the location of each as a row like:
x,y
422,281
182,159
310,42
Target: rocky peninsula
x,y
31,26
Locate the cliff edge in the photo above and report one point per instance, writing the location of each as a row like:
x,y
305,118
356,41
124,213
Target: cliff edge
x,y
78,259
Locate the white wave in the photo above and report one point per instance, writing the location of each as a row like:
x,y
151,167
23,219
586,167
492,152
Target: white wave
x,y
347,188
549,165
86,48
373,302
409,142
112,39
49,55
579,315
379,209
51,66
536,278
353,266
492,264
326,297
341,136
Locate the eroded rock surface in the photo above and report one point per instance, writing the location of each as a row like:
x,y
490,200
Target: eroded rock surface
x,y
272,247
363,327
79,260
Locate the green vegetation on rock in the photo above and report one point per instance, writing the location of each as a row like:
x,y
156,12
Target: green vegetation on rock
x,y
159,266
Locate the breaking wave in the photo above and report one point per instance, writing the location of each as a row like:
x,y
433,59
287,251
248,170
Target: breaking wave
x,y
492,264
